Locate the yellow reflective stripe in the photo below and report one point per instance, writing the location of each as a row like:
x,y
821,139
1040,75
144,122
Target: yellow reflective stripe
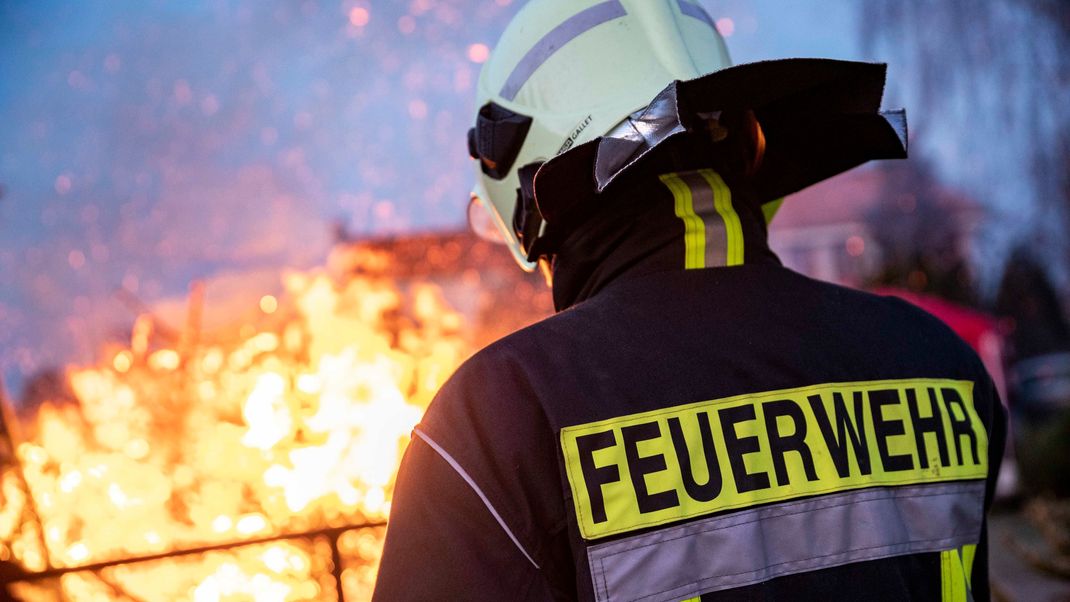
x,y
956,573
697,196
770,209
695,599
665,465
722,201
952,577
694,229
968,553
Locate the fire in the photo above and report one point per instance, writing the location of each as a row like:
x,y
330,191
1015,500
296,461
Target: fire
x,y
294,425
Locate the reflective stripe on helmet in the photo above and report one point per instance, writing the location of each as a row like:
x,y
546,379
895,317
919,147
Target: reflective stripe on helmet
x,y
564,33
695,12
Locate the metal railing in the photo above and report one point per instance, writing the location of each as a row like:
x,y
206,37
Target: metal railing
x,y
11,572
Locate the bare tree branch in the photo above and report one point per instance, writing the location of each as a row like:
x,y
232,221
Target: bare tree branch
x,y
998,72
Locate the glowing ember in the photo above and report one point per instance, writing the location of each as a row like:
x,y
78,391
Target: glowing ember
x,y
478,53
268,304
726,26
359,16
285,429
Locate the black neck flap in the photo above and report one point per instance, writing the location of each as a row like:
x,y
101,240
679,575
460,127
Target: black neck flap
x,y
820,117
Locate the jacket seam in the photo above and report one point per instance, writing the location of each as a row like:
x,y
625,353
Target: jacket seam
x,y
479,492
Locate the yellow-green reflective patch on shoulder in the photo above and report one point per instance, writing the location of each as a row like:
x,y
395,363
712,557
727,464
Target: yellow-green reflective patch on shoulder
x,y
770,209
656,467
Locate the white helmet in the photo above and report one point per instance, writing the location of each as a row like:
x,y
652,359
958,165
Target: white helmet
x,y
617,78
567,71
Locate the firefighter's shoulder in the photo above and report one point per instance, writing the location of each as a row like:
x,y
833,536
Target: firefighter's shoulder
x,y
495,390
937,332
902,339
487,392
486,423
902,329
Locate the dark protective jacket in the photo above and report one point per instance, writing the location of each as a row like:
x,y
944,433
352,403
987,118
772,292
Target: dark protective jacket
x,y
700,421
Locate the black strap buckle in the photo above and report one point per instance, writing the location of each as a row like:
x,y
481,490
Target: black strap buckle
x,y
497,138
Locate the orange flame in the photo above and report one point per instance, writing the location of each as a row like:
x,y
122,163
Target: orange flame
x,y
289,428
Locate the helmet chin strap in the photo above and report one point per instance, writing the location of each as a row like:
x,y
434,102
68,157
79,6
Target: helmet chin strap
x,y
546,268
527,219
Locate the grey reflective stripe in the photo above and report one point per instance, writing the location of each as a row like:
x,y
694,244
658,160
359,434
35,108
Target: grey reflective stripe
x,y
704,204
471,483
752,546
550,43
695,11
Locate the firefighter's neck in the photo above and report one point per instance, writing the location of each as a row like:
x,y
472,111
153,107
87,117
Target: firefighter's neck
x,y
673,222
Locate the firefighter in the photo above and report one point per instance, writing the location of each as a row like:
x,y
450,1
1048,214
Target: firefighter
x,y
696,421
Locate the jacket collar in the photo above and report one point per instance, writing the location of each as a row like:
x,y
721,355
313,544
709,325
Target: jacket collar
x,y
675,221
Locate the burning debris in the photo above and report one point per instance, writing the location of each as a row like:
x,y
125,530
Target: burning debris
x,y
268,452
